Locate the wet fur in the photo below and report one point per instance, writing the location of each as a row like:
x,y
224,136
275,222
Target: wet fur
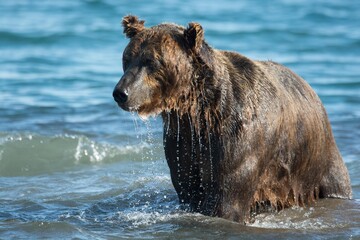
x,y
240,136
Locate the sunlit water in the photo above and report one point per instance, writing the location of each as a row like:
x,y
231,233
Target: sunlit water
x,y
73,165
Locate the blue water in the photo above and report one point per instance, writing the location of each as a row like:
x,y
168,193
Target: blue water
x,y
73,165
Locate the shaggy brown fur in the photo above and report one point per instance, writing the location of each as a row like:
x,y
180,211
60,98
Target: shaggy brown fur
x,y
240,136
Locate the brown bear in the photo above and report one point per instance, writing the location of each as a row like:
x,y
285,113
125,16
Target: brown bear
x,y
240,136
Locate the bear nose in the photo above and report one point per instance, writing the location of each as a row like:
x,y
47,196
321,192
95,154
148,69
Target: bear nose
x,y
120,96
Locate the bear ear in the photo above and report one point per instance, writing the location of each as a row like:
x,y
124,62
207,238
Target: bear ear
x,y
194,36
132,25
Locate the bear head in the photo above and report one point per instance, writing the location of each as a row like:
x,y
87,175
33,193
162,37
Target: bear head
x,y
159,65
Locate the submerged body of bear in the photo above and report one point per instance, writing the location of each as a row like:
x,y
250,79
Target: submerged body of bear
x,y
240,136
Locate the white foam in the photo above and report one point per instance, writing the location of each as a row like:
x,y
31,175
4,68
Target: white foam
x,y
140,218
294,218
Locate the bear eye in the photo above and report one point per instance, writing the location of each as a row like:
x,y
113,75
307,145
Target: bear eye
x,y
147,62
150,64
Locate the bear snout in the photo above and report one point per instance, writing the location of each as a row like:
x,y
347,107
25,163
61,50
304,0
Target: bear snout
x,y
120,96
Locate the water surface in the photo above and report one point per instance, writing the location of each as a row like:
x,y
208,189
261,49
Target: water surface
x,y
73,165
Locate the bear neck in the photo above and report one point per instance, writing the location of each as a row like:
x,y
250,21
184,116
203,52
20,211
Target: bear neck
x,y
201,94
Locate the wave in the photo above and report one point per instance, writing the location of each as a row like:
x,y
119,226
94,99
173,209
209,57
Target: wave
x,y
13,38
29,154
83,35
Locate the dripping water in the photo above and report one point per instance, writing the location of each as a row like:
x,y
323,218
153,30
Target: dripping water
x,y
144,133
136,126
192,149
178,131
178,146
150,140
201,168
210,154
139,135
168,124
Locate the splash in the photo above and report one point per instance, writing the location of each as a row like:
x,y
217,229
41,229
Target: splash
x,y
89,150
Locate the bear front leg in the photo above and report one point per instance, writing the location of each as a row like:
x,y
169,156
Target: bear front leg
x,y
237,194
235,207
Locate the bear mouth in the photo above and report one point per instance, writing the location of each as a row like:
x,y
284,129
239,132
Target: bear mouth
x,y
142,113
128,108
145,115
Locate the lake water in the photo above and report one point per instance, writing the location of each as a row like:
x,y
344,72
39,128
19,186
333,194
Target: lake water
x,y
73,165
